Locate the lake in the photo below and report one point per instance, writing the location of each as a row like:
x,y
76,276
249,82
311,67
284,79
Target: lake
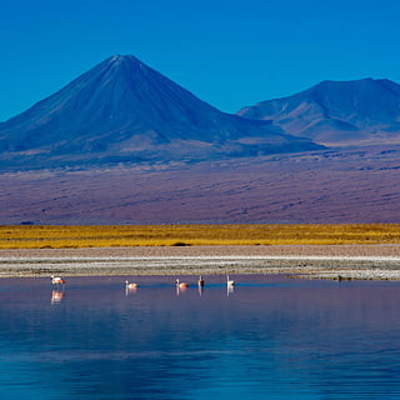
x,y
271,338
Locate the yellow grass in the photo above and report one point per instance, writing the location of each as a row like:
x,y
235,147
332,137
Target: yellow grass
x,y
168,235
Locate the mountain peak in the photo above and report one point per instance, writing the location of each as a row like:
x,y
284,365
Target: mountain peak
x,y
119,58
127,63
362,89
363,111
124,110
356,82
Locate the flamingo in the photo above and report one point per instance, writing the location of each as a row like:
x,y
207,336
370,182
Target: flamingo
x,y
181,285
57,280
131,285
229,282
200,282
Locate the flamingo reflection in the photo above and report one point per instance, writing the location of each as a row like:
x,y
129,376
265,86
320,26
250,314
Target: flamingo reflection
x,y
57,296
230,290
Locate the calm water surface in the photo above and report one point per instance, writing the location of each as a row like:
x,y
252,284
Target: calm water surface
x,y
271,338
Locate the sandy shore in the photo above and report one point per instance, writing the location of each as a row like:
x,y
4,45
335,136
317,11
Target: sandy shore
x,y
313,262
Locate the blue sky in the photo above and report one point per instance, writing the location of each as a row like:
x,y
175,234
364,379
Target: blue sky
x,y
229,53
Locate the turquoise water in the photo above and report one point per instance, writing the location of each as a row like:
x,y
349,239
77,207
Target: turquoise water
x,y
272,338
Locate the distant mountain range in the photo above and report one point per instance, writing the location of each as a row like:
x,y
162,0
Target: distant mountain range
x,y
122,110
360,112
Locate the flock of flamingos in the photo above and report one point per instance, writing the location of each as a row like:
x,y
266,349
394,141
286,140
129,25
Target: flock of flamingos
x,y
59,283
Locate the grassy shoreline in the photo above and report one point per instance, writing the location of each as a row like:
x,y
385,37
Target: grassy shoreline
x,y
58,237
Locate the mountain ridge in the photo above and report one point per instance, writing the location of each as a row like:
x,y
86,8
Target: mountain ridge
x,y
364,111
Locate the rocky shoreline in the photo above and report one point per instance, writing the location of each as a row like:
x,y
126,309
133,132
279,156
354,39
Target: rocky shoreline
x,y
340,262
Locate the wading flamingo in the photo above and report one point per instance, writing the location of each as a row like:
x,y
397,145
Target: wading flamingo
x,y
181,285
200,282
229,282
57,280
131,285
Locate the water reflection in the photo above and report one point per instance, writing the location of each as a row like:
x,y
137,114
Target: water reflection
x,y
230,289
57,296
278,339
181,289
130,290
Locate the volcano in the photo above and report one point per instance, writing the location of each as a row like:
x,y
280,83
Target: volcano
x,y
360,112
124,111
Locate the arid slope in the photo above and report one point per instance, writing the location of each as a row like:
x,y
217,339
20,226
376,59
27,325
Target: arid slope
x,y
347,186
